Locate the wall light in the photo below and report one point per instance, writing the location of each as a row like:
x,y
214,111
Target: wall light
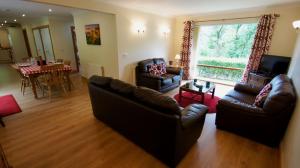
x,y
165,31
138,27
296,24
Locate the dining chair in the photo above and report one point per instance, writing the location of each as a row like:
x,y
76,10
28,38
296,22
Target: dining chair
x,y
68,62
25,81
53,76
59,60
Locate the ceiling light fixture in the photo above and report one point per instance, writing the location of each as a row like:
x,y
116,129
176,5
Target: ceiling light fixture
x,y
23,15
15,20
2,24
50,10
5,21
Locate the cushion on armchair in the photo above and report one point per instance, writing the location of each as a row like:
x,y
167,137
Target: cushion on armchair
x,y
262,96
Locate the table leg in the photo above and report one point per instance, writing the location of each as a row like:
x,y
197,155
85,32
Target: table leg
x,y
202,98
213,93
180,95
32,81
68,80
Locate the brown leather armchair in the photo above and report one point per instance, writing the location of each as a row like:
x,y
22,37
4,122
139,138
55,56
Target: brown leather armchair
x,y
162,83
266,124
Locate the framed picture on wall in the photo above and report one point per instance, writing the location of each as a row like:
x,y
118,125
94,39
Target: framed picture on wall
x,y
92,33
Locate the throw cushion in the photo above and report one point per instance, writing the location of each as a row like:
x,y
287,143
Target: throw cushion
x,y
162,68
153,69
263,94
157,69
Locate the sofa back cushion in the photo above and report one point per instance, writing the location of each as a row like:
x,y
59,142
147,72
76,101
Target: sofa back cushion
x,y
281,97
143,65
100,81
157,100
122,87
159,61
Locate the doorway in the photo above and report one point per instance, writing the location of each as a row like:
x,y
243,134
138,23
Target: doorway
x,y
43,43
27,43
76,54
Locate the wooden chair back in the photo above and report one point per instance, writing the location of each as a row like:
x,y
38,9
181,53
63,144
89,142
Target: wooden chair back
x,y
59,60
53,74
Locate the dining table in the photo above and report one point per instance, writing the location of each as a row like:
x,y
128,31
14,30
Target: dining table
x,y
34,71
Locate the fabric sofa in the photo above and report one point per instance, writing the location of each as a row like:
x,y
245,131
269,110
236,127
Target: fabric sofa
x,y
151,120
266,124
162,83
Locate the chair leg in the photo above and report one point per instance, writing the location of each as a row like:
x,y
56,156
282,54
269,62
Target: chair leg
x,y
1,122
49,92
63,87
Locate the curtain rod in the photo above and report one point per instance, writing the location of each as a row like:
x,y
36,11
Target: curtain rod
x,y
276,15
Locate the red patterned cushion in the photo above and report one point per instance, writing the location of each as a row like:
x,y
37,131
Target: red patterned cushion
x,y
157,69
153,70
162,68
263,94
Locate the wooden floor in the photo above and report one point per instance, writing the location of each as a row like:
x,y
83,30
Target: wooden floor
x,y
64,134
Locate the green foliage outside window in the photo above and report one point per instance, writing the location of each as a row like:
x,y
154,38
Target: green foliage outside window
x,y
227,46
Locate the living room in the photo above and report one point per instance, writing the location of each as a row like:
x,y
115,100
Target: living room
x,y
132,32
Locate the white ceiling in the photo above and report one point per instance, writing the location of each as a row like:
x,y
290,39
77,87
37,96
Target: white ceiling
x,y
13,9
185,7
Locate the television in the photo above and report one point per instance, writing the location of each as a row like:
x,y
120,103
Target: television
x,y
272,65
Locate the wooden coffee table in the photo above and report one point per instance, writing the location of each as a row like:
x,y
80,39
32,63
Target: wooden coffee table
x,y
192,88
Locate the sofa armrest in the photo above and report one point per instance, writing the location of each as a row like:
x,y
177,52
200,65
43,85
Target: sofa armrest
x,y
175,70
148,75
239,107
192,114
248,88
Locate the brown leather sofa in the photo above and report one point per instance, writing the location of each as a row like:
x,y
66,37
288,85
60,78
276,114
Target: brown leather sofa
x,y
162,83
151,120
266,124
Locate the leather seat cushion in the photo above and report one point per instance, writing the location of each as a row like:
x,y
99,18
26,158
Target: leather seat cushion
x,y
242,97
167,79
157,100
176,78
100,81
122,87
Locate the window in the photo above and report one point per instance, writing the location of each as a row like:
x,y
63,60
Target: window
x,y
222,51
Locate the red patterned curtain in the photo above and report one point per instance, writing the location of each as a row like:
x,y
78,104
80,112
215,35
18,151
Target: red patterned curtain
x,y
186,49
262,43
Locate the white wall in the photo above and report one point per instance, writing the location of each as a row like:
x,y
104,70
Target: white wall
x,y
92,57
134,47
131,47
290,146
17,43
60,30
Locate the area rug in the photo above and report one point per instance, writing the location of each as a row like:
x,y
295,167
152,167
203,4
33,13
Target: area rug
x,y
208,101
8,105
